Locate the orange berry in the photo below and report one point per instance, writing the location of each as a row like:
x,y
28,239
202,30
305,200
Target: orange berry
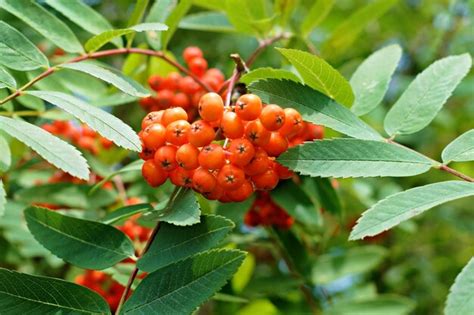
x,y
187,156
212,157
177,132
293,123
146,154
241,152
106,143
266,181
212,82
154,82
180,100
198,66
181,177
283,172
256,133
248,107
272,117
215,194
211,107
171,82
277,144
147,102
173,114
232,126
230,177
216,73
192,52
153,136
259,164
151,118
154,175
165,157
203,181
241,193
201,133
189,86
163,98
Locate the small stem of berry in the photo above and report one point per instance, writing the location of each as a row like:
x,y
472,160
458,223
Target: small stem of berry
x,y
240,67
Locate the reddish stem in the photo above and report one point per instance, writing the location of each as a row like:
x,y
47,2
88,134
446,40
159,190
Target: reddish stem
x,y
456,173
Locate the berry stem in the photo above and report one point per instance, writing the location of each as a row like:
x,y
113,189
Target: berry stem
x,y
107,53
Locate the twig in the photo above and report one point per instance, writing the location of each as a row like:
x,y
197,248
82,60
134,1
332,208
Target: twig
x,y
107,53
240,67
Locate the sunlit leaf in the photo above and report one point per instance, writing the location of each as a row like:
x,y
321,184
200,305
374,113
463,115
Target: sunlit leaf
x,y
207,21
461,149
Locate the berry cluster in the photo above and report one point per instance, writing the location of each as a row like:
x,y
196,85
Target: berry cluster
x,y
103,284
187,154
264,211
175,90
82,136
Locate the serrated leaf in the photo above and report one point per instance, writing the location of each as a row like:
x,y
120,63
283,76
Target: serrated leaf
x,y
426,95
3,198
207,21
180,288
159,12
27,294
268,73
44,23
371,79
460,299
5,157
330,267
320,75
18,52
116,78
54,150
314,107
354,158
86,244
96,42
349,30
6,79
381,304
104,123
125,212
318,12
172,21
182,210
70,195
402,206
460,149
173,243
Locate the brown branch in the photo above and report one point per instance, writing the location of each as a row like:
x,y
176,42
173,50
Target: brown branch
x,y
456,173
107,53
240,67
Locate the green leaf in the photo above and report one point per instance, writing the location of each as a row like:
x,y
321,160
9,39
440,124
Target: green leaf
x,y
125,212
101,121
330,267
183,210
96,42
5,157
6,79
460,299
324,192
217,5
426,95
44,23
207,21
320,75
249,16
314,107
159,12
461,149
18,52
174,243
31,102
402,206
70,195
382,304
86,244
3,198
349,30
173,20
23,293
180,288
268,73
294,200
109,75
54,150
318,12
354,158
371,79
244,274
135,166
115,99
136,17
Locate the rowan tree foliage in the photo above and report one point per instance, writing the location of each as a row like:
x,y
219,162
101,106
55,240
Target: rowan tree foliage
x,y
236,157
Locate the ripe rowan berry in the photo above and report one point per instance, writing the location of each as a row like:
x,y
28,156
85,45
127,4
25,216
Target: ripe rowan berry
x,y
187,156
151,118
189,86
215,194
173,114
293,123
177,132
241,193
230,177
201,133
211,107
259,164
256,133
171,81
165,157
283,172
191,52
277,144
212,156
163,98
241,152
203,181
153,136
248,107
180,100
266,181
153,174
232,126
147,103
272,117
146,154
154,82
181,177
198,66
216,73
